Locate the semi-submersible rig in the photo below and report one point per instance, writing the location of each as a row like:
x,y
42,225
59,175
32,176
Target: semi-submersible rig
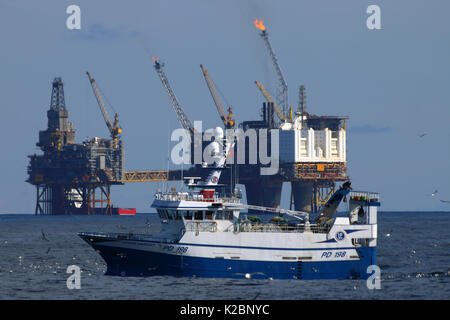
x,y
73,178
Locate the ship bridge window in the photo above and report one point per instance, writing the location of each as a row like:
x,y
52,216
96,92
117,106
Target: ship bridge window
x,y
162,214
198,215
208,215
169,214
187,215
220,215
177,214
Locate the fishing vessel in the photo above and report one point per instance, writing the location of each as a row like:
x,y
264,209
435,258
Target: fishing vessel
x,y
207,233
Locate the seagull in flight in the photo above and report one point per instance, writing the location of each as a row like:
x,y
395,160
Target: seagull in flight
x,y
43,236
421,135
434,193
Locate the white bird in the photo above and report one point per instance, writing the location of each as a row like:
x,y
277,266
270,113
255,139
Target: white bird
x,y
248,275
434,193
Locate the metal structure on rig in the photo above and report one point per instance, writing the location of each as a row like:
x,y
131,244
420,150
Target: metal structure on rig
x,y
77,177
312,152
184,120
282,94
71,177
113,128
227,119
312,148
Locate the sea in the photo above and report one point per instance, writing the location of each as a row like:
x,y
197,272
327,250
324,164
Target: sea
x,y
36,251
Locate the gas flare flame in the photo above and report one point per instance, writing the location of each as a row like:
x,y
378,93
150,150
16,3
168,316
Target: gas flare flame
x,y
259,24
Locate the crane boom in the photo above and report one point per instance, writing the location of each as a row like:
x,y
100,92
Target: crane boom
x,y
226,119
100,102
269,98
301,215
185,123
282,95
113,128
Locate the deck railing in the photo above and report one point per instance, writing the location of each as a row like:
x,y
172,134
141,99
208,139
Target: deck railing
x,y
186,196
205,226
281,227
201,226
364,196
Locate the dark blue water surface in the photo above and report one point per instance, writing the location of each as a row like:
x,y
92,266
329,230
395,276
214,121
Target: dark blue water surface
x,y
35,251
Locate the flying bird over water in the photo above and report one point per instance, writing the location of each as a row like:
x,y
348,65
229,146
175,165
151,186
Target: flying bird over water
x,y
43,236
434,193
421,135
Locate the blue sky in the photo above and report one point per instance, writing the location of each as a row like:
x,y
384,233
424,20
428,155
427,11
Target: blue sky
x,y
393,83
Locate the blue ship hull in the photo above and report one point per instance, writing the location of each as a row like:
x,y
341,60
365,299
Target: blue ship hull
x,y
131,262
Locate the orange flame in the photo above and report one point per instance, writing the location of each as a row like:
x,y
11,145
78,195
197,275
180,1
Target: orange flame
x,y
259,24
154,59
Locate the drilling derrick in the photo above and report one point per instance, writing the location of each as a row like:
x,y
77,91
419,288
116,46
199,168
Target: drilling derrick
x,y
59,131
302,105
72,178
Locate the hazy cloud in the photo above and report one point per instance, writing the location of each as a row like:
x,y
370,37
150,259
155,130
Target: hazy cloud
x,y
368,129
99,32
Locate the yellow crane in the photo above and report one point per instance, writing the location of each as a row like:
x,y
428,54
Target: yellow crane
x,y
226,118
113,128
269,98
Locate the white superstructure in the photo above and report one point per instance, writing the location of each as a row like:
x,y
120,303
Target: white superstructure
x,y
298,144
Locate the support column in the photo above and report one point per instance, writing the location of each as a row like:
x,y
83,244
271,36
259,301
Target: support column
x,y
263,192
303,195
57,199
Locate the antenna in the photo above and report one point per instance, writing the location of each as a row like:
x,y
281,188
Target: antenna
x,y
168,150
182,173
302,104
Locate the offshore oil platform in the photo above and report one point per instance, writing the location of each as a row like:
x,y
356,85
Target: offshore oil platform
x,y
69,177
73,178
